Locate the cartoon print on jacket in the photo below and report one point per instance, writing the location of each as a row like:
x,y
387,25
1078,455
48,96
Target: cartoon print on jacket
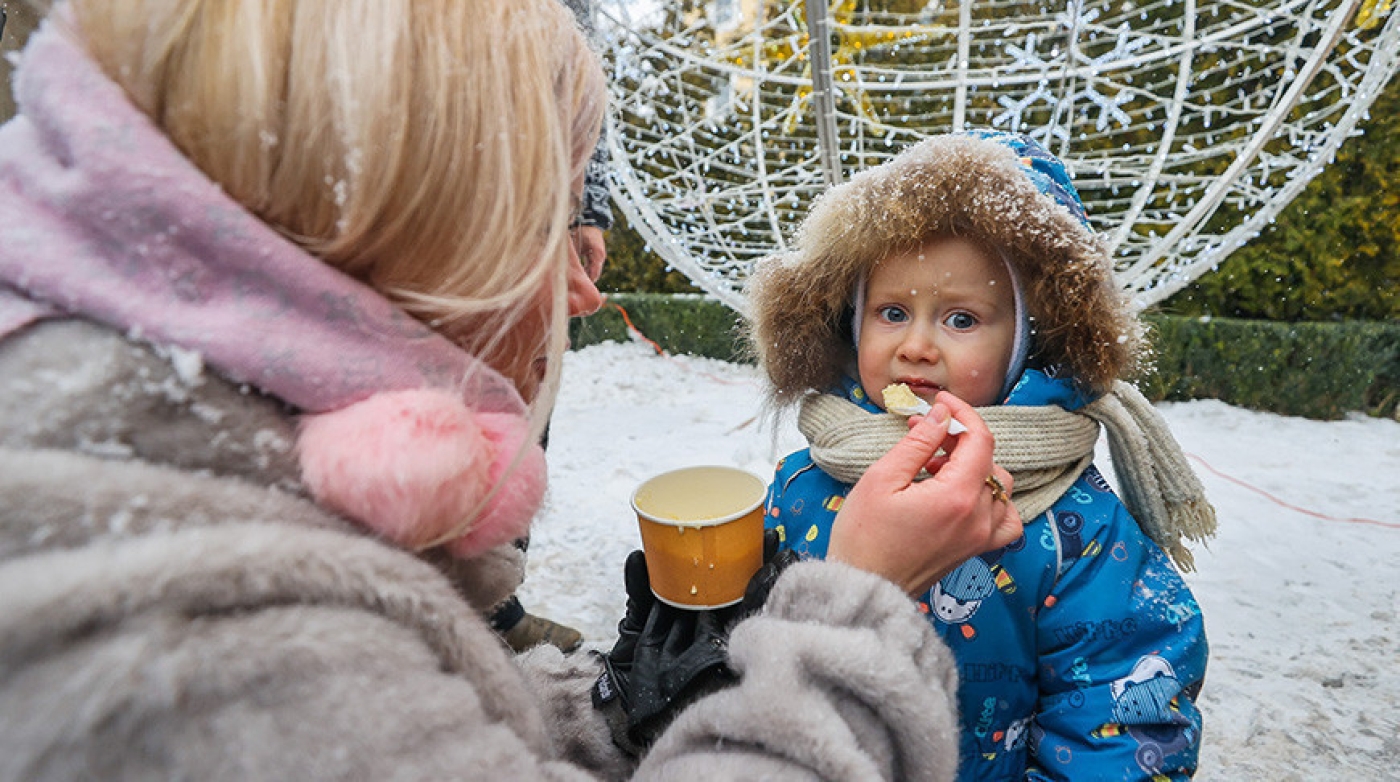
x,y
957,597
1145,699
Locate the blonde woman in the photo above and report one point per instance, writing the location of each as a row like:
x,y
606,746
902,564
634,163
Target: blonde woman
x,y
283,289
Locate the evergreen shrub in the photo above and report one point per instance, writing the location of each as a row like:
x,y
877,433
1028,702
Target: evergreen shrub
x,y
1317,370
1333,254
693,324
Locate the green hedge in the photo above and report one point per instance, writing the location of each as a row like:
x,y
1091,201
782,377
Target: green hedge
x,y
680,323
1317,370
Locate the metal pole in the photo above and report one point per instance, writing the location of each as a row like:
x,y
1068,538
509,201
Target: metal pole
x,y
964,60
823,96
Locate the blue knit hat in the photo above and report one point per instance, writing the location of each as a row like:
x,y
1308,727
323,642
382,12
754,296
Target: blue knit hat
x,y
1043,168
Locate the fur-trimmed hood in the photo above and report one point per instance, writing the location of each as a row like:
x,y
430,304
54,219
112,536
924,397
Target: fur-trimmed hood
x,y
1004,190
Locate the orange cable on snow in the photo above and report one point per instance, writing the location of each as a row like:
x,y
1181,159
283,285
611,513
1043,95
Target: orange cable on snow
x,y
1289,505
628,320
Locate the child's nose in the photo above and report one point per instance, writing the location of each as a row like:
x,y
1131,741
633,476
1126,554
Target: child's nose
x,y
918,345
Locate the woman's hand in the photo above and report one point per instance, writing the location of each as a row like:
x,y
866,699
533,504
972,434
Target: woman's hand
x,y
914,533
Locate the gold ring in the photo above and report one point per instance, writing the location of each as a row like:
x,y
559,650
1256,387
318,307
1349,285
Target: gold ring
x,y
998,490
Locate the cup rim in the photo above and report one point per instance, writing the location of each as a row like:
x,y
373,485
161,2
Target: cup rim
x,y
712,522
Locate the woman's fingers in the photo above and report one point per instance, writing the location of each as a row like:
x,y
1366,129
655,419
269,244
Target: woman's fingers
x,y
968,465
1010,527
915,532
915,450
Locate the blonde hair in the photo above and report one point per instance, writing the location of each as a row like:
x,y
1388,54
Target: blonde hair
x,y
425,147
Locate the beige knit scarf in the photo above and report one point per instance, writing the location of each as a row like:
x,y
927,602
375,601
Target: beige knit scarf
x,y
1045,449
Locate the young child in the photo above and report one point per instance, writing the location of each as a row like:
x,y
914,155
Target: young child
x,y
966,264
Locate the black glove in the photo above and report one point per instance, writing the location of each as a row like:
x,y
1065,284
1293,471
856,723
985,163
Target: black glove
x,y
640,601
666,657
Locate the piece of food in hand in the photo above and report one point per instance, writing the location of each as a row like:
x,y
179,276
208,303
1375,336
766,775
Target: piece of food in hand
x,y
902,401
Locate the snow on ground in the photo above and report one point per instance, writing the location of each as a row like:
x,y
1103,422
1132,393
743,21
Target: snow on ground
x,y
1302,611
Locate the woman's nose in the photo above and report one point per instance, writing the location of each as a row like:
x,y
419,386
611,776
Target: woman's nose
x,y
584,298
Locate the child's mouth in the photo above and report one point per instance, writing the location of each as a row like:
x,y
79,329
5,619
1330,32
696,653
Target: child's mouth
x,y
921,387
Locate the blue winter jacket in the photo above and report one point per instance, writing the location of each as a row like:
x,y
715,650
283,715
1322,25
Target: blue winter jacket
x,y
1080,649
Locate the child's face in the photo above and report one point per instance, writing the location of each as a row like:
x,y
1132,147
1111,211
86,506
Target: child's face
x,y
940,317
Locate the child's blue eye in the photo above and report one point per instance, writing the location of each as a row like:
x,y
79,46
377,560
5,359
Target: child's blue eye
x,y
961,321
893,314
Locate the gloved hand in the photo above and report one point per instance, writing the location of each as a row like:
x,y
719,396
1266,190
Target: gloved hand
x,y
666,657
640,601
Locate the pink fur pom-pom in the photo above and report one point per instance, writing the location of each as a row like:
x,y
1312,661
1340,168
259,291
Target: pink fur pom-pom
x,y
415,465
509,511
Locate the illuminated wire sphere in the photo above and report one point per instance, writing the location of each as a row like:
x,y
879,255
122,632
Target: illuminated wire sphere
x,y
1186,124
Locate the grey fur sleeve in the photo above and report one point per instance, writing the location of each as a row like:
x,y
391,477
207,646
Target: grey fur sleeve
x,y
842,678
562,684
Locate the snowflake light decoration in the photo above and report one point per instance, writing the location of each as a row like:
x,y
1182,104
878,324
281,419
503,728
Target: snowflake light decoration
x,y
1187,124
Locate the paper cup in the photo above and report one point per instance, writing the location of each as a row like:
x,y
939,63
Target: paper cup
x,y
702,531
